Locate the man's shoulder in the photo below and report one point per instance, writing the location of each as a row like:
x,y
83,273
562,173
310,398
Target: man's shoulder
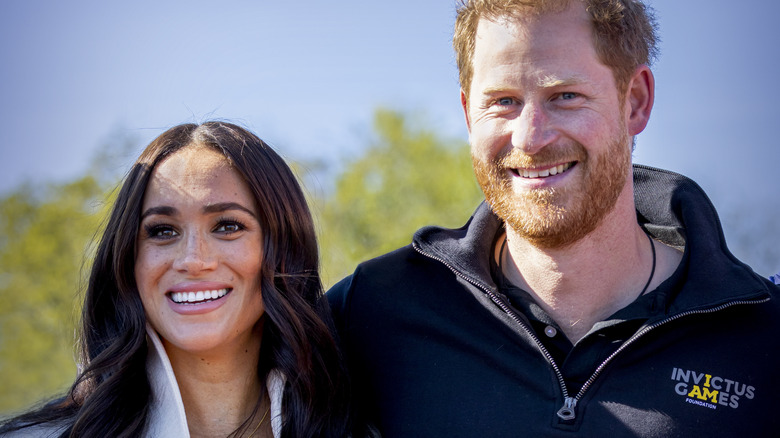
x,y
774,296
389,280
386,268
377,269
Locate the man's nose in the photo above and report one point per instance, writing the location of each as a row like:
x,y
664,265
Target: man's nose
x,y
532,130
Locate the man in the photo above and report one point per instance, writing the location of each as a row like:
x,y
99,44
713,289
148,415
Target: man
x,y
582,296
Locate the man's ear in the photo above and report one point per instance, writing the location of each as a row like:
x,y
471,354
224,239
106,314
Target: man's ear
x,y
464,103
640,98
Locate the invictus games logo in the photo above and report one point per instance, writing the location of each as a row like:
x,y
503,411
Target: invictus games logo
x,y
710,391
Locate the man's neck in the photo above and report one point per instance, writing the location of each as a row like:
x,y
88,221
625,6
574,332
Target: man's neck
x,y
591,279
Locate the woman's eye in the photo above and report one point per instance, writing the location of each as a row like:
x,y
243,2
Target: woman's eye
x,y
228,227
161,232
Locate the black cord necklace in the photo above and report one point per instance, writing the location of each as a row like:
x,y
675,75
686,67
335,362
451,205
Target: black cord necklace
x,y
652,271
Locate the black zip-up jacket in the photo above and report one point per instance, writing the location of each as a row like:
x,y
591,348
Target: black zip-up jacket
x,y
436,350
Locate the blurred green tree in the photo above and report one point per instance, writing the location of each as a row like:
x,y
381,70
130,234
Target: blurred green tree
x,y
44,237
406,179
47,236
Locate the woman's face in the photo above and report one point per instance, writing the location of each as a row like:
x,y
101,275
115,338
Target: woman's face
x,y
199,253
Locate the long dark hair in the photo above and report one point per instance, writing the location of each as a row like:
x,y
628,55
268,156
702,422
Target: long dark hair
x,y
111,395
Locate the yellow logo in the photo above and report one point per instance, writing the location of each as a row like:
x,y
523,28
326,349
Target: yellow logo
x,y
710,391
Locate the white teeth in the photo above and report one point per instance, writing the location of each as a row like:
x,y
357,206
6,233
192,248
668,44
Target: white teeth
x,y
526,173
196,297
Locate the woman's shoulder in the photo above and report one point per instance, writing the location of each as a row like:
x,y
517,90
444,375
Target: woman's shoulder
x,y
38,431
50,418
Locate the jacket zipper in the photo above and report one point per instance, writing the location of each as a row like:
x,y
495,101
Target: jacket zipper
x,y
647,329
567,411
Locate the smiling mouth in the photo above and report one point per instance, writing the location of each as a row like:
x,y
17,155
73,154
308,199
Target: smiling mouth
x,y
197,297
543,173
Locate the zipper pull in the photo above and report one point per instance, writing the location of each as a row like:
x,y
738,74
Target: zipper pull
x,y
566,413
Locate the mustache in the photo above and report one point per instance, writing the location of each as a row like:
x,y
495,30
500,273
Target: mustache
x,y
514,158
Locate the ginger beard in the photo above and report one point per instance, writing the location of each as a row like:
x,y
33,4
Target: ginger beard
x,y
556,217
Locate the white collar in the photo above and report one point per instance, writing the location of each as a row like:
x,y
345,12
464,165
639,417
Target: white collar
x,y
166,414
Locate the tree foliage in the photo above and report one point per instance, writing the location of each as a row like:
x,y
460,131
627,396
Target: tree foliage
x,y
44,237
47,235
407,178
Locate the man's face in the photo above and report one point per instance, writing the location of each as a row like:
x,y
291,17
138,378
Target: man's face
x,y
547,127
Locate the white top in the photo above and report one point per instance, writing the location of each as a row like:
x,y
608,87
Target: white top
x,y
166,414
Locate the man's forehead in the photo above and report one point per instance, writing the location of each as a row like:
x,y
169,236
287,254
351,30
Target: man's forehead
x,y
503,47
504,30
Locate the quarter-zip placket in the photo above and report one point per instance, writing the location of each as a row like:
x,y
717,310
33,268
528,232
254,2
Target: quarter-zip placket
x,y
653,326
568,411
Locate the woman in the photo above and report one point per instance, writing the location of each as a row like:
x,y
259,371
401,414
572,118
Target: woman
x,y
203,315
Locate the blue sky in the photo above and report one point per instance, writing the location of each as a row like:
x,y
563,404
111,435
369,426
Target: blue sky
x,y
307,75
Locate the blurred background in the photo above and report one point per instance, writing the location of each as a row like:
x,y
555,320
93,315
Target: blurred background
x,y
361,96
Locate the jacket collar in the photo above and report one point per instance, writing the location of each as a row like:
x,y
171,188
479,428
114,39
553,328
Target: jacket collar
x,y
465,250
674,210
166,412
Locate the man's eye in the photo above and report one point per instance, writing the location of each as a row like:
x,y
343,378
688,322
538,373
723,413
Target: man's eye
x,y
505,101
568,96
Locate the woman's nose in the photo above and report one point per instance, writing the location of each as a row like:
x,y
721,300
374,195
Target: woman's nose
x,y
194,254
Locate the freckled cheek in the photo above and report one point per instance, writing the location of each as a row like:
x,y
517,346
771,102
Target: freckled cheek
x,y
246,261
144,276
149,267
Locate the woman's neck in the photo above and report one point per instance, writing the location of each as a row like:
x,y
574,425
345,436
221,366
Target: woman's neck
x,y
219,389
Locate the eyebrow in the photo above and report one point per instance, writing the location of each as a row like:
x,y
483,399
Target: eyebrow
x,y
225,206
162,211
552,81
544,82
165,210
